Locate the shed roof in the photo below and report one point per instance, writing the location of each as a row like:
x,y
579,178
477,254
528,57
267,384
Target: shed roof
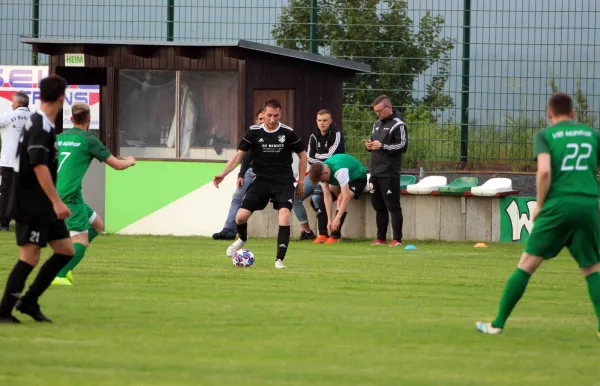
x,y
51,46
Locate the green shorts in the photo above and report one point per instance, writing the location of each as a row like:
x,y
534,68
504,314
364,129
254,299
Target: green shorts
x,y
567,222
82,215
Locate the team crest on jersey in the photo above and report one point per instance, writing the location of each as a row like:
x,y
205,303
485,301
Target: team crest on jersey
x,y
282,138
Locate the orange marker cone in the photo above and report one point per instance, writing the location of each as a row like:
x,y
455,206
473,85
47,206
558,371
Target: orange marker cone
x,y
480,245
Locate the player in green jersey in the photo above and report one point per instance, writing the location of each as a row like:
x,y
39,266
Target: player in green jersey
x,y
343,176
567,207
77,148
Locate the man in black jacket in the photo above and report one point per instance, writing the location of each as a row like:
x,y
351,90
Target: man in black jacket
x,y
388,142
324,142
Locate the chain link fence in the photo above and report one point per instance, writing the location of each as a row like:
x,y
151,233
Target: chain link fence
x,y
471,79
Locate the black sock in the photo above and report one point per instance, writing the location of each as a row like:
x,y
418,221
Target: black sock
x,y
397,221
338,234
44,278
322,222
283,240
242,230
382,219
14,287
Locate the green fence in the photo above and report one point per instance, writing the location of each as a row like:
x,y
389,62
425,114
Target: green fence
x,y
471,78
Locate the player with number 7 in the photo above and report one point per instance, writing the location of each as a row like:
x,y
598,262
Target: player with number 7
x,y
77,147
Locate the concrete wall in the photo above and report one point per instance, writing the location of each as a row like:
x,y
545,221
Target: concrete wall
x,y
447,218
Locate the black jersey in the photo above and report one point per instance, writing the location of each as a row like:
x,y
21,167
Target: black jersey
x,y
37,146
272,152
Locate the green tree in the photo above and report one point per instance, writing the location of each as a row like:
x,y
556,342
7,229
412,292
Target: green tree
x,y
381,34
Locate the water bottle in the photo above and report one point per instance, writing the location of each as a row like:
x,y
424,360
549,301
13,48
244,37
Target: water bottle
x,y
421,174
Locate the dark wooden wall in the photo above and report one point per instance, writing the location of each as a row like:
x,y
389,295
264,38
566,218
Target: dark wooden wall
x,y
316,86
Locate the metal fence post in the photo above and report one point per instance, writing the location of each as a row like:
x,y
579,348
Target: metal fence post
x,y
464,108
35,28
313,46
170,19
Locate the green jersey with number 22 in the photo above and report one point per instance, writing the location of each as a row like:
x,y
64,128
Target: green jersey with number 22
x,y
573,150
76,149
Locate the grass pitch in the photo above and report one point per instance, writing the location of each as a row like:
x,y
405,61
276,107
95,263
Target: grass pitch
x,y
174,311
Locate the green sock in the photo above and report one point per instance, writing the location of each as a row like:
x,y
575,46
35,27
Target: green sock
x,y
514,289
593,282
76,259
92,233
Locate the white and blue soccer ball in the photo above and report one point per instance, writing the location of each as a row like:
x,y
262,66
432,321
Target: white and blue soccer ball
x,y
243,258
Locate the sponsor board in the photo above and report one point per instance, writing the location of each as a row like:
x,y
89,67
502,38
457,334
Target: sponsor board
x,y
27,79
515,218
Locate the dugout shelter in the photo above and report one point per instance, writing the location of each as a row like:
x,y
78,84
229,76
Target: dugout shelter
x,y
185,101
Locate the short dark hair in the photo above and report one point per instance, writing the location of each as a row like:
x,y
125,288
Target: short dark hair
x,y
258,113
380,99
560,104
315,173
52,88
273,103
323,112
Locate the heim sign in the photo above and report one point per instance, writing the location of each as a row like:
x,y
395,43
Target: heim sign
x,y
27,79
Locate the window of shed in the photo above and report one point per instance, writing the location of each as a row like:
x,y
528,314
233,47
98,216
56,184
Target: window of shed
x,y
179,114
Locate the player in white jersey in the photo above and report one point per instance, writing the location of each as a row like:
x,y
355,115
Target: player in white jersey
x,y
11,125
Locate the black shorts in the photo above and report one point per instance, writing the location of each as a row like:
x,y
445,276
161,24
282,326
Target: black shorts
x,y
357,187
40,232
260,193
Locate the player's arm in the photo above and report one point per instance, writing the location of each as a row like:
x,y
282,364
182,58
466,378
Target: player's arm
x,y
231,164
298,148
328,199
245,164
541,151
39,156
343,177
120,163
102,154
312,150
333,149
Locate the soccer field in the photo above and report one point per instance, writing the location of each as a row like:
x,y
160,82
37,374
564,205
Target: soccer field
x,y
174,311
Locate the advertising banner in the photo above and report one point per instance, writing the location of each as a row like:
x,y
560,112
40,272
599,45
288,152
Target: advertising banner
x,y
515,218
27,79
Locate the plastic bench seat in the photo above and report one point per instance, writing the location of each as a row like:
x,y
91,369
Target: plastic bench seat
x,y
459,185
492,187
427,185
407,179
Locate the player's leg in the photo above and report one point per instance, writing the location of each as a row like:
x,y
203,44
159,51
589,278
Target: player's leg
x,y
356,188
61,244
230,228
78,224
336,235
256,198
390,191
29,255
283,198
6,176
319,202
381,213
585,247
306,233
549,235
96,223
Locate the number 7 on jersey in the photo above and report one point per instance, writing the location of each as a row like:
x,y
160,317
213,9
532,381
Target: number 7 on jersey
x,y
66,155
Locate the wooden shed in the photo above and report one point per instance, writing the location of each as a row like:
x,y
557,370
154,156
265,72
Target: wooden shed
x,y
192,100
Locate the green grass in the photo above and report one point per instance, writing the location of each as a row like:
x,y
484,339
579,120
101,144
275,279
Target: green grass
x,y
168,311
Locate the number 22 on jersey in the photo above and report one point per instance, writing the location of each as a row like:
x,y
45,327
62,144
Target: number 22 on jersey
x,y
577,153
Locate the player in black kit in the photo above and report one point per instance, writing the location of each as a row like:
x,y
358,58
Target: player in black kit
x,y
272,144
37,208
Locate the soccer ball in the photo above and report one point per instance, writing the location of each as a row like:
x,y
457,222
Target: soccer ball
x,y
243,258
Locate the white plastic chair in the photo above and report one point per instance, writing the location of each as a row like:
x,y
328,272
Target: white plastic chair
x,y
492,187
427,185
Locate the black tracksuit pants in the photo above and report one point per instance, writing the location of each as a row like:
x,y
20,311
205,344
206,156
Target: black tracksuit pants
x,y
6,178
385,197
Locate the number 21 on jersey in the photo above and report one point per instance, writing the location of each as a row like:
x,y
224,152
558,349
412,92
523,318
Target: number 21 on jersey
x,y
577,153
